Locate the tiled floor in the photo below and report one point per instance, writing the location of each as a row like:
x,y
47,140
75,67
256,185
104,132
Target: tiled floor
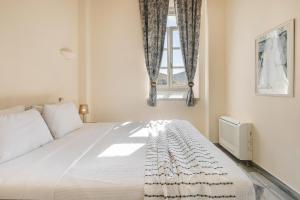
x,y
271,191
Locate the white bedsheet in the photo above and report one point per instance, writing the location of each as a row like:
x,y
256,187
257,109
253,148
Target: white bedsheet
x,y
73,167
100,161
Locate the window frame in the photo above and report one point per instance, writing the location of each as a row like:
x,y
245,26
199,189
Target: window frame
x,y
170,86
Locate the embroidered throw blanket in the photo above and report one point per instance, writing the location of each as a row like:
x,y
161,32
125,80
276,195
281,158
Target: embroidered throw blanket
x,y
178,166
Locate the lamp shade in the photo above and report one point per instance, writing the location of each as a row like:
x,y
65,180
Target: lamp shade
x,y
83,109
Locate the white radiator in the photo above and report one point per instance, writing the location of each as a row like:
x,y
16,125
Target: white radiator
x,y
236,137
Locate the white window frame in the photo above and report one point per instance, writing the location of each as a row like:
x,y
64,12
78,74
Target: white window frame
x,y
170,86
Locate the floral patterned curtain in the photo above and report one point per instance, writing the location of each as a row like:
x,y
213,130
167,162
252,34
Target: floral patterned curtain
x,y
188,17
154,15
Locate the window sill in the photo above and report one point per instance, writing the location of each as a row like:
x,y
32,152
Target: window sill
x,y
172,96
175,99
170,99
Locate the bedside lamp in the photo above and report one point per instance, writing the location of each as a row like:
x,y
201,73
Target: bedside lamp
x,y
83,110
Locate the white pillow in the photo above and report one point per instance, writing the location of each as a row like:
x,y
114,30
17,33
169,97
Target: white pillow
x,y
22,132
62,118
14,109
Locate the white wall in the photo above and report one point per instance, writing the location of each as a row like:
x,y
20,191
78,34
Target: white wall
x,y
84,51
107,39
32,33
276,120
118,79
215,65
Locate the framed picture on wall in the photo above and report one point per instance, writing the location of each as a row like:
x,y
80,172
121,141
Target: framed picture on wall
x,y
275,61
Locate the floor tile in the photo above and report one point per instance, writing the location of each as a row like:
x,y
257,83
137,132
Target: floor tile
x,y
267,195
281,194
271,191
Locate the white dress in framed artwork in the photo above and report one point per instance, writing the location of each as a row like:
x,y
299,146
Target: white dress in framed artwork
x,y
275,61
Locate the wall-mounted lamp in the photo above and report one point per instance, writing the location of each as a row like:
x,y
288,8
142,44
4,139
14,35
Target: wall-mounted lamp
x,y
83,110
67,53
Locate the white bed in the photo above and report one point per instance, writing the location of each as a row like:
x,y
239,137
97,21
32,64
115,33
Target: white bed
x,y
99,161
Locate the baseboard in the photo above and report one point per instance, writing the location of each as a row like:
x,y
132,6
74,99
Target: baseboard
x,y
266,174
276,181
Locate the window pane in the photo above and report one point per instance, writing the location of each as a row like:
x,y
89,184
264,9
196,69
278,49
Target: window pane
x,y
163,77
166,41
179,76
171,21
176,40
177,58
164,60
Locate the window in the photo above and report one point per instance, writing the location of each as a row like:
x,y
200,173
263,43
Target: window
x,y
172,76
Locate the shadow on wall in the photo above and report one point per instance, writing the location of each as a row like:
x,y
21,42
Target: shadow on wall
x,y
27,100
256,137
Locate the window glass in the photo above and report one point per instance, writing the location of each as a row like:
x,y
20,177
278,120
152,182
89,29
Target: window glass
x,y
164,60
176,40
166,42
177,58
171,21
163,76
172,74
179,76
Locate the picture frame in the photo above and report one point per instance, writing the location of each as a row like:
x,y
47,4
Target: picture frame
x,y
274,65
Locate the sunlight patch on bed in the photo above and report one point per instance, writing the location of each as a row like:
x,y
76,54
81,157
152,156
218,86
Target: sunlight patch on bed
x,y
135,130
126,123
121,150
144,132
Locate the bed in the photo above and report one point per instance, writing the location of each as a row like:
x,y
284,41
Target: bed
x,y
98,161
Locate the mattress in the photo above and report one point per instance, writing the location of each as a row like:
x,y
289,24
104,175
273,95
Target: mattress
x,y
99,161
